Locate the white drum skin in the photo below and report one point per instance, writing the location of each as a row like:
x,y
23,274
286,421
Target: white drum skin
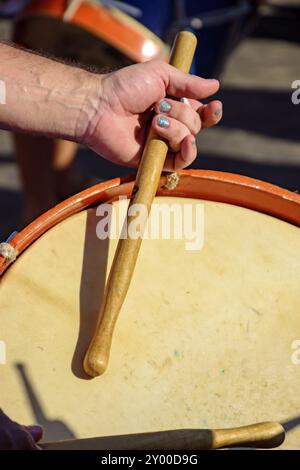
x,y
204,339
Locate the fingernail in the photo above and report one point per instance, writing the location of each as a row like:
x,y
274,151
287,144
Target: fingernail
x,y
36,432
218,112
164,106
185,101
163,122
194,142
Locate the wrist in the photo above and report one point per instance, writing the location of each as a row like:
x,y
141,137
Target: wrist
x,y
90,111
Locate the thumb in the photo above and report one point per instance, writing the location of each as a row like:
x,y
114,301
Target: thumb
x,y
35,431
190,86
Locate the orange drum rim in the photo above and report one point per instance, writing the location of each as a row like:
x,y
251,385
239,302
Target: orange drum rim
x,y
111,25
199,184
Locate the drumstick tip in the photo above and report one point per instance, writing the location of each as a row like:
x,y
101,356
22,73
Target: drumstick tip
x,y
93,365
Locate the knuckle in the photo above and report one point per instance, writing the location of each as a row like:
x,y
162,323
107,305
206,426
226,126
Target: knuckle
x,y
175,143
186,114
158,63
192,119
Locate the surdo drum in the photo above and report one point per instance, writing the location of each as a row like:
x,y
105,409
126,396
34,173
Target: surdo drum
x,y
205,339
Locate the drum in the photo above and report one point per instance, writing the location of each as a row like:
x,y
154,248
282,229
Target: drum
x,y
206,337
62,28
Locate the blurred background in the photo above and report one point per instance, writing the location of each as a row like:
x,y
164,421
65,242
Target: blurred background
x,y
252,46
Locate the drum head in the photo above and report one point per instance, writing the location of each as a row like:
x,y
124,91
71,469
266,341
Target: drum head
x,y
204,339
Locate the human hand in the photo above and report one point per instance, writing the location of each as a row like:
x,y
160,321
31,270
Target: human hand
x,y
14,436
108,113
117,130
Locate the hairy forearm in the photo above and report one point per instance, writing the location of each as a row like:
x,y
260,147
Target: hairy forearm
x,y
45,97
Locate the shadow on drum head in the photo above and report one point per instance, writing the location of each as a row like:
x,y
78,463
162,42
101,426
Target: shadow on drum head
x,y
92,285
53,429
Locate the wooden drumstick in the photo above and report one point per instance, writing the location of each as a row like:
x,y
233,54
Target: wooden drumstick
x,y
261,435
144,191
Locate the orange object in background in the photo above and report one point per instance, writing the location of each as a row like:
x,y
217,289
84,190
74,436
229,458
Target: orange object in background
x,y
116,28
